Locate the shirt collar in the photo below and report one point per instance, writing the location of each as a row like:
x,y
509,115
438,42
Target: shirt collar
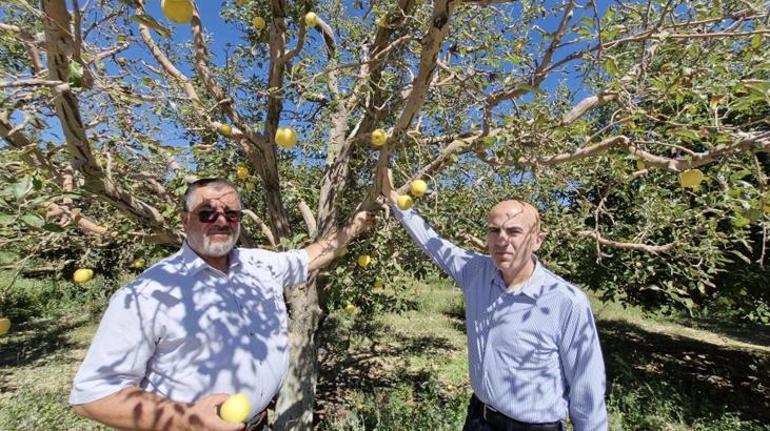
x,y
195,264
531,287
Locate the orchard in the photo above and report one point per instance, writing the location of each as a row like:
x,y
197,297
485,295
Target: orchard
x,y
640,130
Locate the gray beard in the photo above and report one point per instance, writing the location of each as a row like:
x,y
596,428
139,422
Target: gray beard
x,y
205,247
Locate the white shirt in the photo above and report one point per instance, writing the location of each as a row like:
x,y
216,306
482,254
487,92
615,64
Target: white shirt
x,y
184,330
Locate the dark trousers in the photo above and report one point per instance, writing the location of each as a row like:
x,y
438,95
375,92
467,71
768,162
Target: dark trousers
x,y
475,421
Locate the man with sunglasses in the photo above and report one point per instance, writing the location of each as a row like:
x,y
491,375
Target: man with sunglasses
x,y
200,325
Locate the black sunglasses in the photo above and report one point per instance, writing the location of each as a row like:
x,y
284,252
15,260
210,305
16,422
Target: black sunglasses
x,y
210,216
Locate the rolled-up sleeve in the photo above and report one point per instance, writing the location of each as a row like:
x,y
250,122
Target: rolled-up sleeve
x,y
581,358
119,352
293,267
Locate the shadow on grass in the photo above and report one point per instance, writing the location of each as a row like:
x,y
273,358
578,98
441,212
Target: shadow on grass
x,y
371,365
33,341
705,380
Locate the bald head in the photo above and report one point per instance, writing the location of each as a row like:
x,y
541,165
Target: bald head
x,y
513,235
510,209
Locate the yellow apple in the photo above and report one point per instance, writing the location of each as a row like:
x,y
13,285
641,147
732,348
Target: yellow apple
x,y
83,275
226,130
5,325
378,284
138,263
285,137
259,23
235,409
178,11
691,178
311,19
242,172
379,138
766,207
350,308
640,166
364,260
342,251
404,202
418,188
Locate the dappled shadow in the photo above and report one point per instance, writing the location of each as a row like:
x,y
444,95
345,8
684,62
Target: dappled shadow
x,y
373,365
710,380
32,341
186,330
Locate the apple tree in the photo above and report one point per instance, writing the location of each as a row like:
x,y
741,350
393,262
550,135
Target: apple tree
x,y
640,129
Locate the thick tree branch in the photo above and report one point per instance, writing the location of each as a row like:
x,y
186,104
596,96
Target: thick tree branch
x,y
653,249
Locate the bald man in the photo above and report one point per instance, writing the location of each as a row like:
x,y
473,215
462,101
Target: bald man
x,y
533,349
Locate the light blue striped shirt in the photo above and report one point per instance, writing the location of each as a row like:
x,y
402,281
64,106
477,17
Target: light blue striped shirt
x,y
534,353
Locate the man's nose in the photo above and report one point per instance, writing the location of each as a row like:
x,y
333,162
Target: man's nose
x,y
221,218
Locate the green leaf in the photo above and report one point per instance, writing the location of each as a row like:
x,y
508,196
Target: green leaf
x,y
6,219
686,134
75,74
739,175
52,227
152,23
33,220
21,188
741,256
741,221
610,66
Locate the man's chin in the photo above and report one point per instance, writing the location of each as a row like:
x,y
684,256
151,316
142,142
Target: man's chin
x,y
218,249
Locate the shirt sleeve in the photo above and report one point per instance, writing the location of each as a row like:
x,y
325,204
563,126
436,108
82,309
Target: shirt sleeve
x,y
449,257
292,267
581,358
119,352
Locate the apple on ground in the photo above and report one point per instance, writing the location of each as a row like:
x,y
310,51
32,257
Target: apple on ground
x,y
83,275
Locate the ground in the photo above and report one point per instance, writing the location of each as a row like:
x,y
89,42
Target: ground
x,y
408,370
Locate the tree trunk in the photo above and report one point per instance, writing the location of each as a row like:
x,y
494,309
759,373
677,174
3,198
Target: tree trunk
x,y
296,401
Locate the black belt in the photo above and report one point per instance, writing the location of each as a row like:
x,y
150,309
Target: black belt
x,y
500,421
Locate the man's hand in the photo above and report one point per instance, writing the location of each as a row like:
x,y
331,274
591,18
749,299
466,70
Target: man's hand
x,y
361,222
133,408
322,252
203,414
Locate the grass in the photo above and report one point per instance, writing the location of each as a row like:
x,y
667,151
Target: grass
x,y
408,370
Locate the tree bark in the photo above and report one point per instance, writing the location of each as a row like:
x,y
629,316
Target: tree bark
x,y
294,410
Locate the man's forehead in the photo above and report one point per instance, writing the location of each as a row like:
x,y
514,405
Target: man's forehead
x,y
209,195
512,213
